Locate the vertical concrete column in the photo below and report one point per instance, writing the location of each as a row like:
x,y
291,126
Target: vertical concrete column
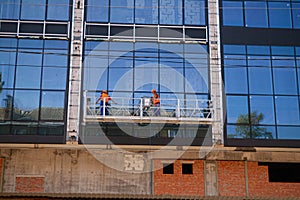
x,y
211,178
75,71
216,82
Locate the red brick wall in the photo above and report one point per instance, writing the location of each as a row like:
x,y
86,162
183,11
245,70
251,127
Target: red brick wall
x,y
231,178
259,184
30,184
178,183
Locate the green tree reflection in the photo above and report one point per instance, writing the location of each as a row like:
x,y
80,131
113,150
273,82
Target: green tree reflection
x,y
258,132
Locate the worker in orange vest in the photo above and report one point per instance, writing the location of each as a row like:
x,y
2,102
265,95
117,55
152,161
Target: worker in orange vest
x,y
104,99
156,102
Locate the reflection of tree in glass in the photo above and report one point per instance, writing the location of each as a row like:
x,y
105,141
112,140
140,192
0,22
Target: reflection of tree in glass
x,y
257,131
1,82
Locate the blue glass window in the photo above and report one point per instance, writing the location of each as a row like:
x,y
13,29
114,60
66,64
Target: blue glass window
x,y
258,50
26,105
52,105
146,12
256,14
233,13
9,9
194,12
237,109
296,15
263,132
33,9
121,11
238,131
285,81
288,132
7,76
262,108
58,10
235,73
54,78
280,15
287,110
171,12
97,11
234,49
6,102
260,77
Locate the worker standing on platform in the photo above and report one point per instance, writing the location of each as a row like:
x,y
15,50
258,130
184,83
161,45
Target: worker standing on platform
x,y
156,102
104,100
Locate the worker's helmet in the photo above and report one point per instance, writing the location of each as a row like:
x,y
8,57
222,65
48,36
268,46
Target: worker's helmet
x,y
153,91
104,91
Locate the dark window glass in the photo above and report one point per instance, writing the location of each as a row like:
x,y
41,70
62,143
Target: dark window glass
x,y
97,11
285,81
194,12
233,13
26,105
187,168
170,12
58,10
237,109
9,9
168,168
262,110
52,106
256,14
287,110
280,15
296,15
121,11
283,172
146,12
33,9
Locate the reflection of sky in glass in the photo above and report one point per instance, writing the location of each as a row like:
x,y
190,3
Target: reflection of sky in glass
x,y
236,106
263,105
287,110
256,14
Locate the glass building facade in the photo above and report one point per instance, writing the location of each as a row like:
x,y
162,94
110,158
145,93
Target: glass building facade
x,y
34,60
261,72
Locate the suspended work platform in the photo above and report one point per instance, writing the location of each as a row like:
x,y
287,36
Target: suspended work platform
x,y
142,111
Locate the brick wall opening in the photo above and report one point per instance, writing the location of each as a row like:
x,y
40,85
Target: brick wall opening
x,y
283,172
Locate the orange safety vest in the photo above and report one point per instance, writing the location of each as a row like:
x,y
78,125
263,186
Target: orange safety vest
x,y
106,96
155,99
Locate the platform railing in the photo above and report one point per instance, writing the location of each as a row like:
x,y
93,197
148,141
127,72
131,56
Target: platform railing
x,y
142,108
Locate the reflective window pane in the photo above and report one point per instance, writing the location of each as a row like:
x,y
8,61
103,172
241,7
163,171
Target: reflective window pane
x,y
256,14
262,110
7,57
285,81
6,102
121,11
146,12
170,12
52,106
33,9
26,105
287,110
238,131
7,73
233,13
9,9
237,109
145,78
296,15
8,42
260,80
120,79
54,78
28,77
288,132
194,12
234,49
58,10
258,50
280,15
263,132
97,11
